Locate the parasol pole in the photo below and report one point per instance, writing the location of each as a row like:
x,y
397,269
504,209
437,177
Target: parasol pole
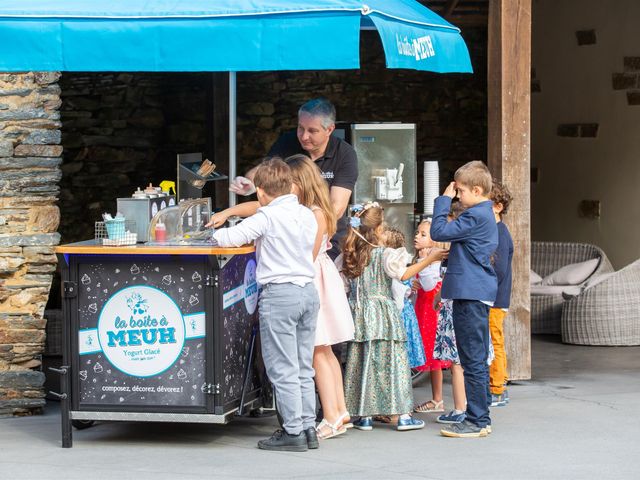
x,y
232,134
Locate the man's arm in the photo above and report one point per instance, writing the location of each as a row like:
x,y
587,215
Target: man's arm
x,y
344,181
339,199
243,233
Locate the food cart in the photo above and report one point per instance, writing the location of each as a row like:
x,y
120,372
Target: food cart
x,y
139,344
156,333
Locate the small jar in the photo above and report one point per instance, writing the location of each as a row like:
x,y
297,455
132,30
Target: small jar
x,y
161,232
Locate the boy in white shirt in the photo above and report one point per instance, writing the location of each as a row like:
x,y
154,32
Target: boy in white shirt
x,y
284,232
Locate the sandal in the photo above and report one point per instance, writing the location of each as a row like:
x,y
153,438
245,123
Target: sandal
x,y
430,406
326,430
342,418
382,418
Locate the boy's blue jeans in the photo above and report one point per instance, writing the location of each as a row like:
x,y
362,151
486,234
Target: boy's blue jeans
x,y
472,338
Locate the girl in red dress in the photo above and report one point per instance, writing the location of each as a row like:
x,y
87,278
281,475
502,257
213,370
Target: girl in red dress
x,y
429,286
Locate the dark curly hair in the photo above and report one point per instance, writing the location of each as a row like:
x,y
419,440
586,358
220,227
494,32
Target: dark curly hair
x,y
500,194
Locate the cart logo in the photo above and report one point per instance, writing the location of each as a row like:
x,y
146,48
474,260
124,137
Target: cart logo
x,y
250,287
141,331
421,48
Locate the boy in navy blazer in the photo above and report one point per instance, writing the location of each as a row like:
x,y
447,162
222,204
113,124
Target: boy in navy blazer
x,y
472,284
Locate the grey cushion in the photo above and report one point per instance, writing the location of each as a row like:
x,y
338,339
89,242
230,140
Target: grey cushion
x,y
534,278
555,289
573,274
596,279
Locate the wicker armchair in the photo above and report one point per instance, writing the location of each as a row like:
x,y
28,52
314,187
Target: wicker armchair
x,y
546,258
607,313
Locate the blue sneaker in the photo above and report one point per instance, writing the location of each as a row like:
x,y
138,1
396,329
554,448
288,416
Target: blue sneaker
x,y
498,400
505,396
451,417
364,423
405,424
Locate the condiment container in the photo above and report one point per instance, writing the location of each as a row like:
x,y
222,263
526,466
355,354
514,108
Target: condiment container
x,y
161,232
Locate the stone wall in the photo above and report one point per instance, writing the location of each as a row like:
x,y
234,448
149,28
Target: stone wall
x,y
29,175
120,131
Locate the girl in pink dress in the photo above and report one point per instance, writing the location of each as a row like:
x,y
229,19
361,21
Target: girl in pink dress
x,y
335,324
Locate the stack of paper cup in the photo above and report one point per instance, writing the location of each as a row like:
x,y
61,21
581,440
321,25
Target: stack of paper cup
x,y
431,185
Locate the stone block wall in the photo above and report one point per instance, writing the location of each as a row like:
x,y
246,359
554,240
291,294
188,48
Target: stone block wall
x,y
30,158
120,131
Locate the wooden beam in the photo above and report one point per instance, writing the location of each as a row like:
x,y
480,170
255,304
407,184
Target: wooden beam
x,y
449,7
468,21
509,84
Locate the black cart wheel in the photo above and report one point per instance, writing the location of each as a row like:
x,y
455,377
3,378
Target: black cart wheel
x,y
82,424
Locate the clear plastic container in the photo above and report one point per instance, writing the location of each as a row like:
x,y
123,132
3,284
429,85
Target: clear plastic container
x,y
184,223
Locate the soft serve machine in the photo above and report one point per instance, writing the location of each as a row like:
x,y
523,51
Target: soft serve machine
x,y
387,169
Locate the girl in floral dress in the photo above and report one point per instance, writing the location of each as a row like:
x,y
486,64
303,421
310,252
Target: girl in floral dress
x,y
377,377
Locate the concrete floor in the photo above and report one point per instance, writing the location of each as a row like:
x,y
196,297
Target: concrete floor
x,y
577,418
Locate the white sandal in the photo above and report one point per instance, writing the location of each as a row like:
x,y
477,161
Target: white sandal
x,y
334,430
430,406
347,425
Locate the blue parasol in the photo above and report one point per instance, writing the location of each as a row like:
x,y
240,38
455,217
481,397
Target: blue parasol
x,y
222,35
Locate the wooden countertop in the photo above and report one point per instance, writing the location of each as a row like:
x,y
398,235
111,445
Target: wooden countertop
x,y
91,247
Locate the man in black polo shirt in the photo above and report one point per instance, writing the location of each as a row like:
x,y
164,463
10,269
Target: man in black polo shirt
x,y
336,159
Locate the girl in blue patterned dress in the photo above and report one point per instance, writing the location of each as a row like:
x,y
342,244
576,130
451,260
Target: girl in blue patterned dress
x,y
401,290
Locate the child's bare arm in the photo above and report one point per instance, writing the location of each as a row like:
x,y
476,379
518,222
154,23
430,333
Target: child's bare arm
x,y
437,300
322,229
435,255
245,209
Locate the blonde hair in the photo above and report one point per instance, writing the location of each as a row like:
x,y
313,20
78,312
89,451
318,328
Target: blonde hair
x,y
360,241
313,188
274,177
474,174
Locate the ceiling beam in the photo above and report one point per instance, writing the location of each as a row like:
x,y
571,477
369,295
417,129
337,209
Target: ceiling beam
x,y
449,7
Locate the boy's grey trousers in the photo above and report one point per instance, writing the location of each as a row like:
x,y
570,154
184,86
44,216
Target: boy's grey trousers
x,y
288,315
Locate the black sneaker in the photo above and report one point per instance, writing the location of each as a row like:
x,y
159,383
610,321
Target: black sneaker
x,y
283,441
464,429
312,438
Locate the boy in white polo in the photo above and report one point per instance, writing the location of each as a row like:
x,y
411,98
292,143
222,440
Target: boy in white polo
x,y
284,232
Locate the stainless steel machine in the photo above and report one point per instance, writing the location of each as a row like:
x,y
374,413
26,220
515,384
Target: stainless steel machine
x,y
387,169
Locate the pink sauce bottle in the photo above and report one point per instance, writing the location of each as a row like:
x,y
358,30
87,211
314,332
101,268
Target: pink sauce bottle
x,y
161,232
